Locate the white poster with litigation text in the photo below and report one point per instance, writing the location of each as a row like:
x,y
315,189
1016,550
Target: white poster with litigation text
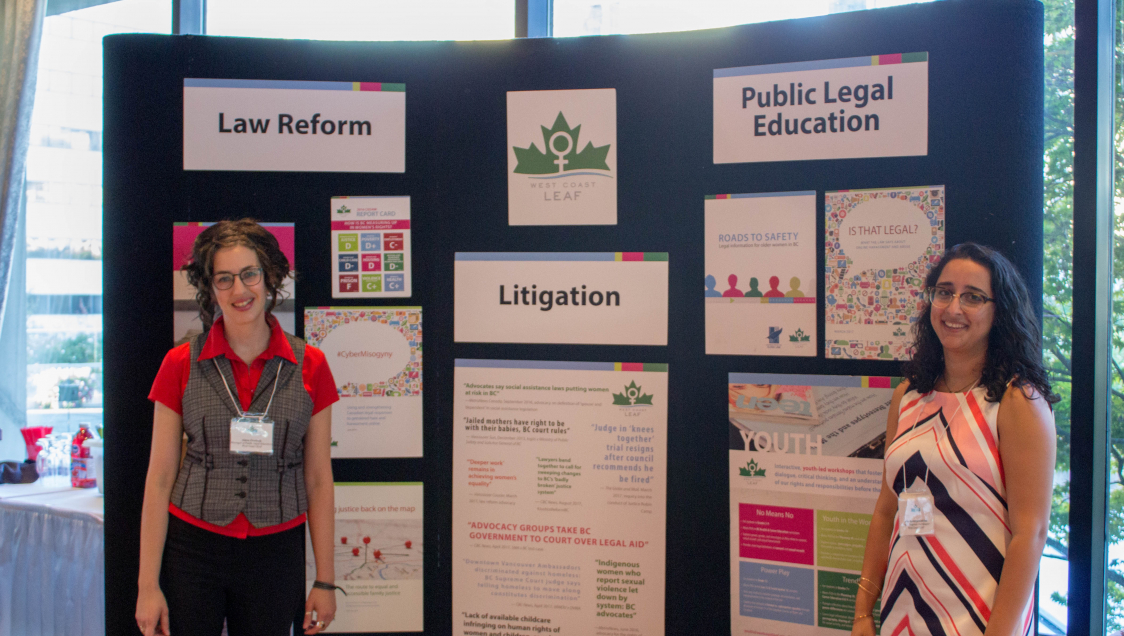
x,y
559,497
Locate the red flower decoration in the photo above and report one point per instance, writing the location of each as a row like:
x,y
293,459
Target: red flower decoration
x,y
408,544
355,551
343,540
366,539
378,554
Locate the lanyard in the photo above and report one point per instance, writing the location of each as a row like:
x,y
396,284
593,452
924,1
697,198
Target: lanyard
x,y
237,406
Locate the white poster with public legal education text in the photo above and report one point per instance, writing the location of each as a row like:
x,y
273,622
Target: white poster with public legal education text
x,y
371,247
293,126
378,551
871,106
805,472
760,284
879,247
559,498
562,157
375,354
561,297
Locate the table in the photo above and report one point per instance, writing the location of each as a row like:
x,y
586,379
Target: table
x,y
52,561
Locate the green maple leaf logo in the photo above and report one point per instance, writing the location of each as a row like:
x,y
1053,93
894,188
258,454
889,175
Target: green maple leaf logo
x,y
799,336
632,396
562,154
343,210
751,470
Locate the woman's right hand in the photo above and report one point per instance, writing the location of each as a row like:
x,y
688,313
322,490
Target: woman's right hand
x,y
863,627
152,612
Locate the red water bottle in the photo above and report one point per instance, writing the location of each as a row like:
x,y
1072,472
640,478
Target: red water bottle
x,y
81,464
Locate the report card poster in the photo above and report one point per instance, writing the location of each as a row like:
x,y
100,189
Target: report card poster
x,y
559,498
805,472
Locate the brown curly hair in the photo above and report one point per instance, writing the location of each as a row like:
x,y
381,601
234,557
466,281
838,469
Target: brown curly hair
x,y
246,232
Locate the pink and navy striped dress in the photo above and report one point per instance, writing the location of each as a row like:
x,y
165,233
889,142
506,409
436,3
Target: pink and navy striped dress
x,y
945,583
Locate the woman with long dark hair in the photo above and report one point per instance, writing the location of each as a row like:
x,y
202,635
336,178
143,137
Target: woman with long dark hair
x,y
222,526
959,527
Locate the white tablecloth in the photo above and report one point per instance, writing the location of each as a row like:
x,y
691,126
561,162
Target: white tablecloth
x,y
52,561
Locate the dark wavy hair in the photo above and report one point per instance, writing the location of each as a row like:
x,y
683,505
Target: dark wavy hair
x,y
1014,344
246,232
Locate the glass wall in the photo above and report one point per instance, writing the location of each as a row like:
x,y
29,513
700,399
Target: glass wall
x,y
363,19
64,247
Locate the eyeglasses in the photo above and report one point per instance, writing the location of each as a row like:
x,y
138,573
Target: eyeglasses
x,y
941,297
250,276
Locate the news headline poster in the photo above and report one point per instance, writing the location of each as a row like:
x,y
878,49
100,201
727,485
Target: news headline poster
x,y
879,247
612,298
185,309
872,106
375,354
559,497
760,284
371,247
805,475
378,551
293,126
562,157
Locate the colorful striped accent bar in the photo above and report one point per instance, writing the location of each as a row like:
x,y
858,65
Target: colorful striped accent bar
x,y
761,195
649,367
846,381
817,65
196,82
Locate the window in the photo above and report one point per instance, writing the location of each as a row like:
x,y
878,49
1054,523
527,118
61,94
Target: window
x,y
363,19
64,247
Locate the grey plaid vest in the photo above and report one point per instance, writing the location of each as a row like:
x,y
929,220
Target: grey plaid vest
x,y
215,484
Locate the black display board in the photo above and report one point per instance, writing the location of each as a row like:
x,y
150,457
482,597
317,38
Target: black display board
x,y
985,146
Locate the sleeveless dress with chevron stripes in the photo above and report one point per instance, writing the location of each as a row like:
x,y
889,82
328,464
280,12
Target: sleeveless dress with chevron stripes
x,y
944,584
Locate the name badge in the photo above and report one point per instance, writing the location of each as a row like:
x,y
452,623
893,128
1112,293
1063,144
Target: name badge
x,y
251,434
915,512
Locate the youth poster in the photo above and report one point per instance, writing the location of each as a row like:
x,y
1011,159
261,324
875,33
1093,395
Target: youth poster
x,y
805,472
880,245
760,284
375,354
378,550
184,308
371,247
559,497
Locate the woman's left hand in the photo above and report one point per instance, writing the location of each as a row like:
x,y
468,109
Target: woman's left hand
x,y
319,610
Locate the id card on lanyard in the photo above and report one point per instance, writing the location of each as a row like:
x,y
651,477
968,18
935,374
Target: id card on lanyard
x,y
250,433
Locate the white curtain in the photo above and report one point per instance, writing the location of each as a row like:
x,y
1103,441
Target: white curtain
x,y
21,24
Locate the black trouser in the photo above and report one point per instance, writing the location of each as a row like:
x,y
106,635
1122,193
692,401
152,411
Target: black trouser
x,y
256,584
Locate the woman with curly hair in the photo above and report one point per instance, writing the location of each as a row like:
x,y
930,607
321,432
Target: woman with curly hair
x,y
222,526
959,527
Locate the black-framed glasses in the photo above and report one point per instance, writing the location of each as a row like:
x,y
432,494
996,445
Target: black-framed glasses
x,y
250,276
941,297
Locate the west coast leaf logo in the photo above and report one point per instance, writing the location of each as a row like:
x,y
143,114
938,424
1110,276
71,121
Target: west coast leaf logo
x,y
751,470
562,154
632,396
343,210
799,336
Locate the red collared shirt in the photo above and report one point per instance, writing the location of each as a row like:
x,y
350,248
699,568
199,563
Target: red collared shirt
x,y
171,382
